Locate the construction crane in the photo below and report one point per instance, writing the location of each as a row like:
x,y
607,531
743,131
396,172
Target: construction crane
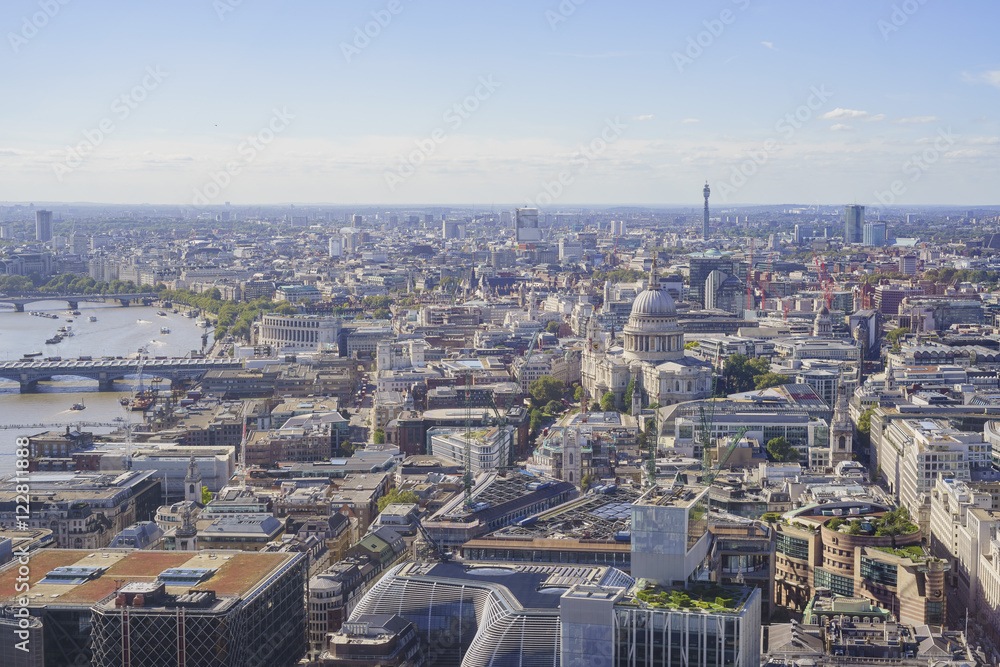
x,y
467,476
507,439
710,472
442,555
707,417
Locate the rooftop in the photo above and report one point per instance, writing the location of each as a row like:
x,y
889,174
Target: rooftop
x,y
231,573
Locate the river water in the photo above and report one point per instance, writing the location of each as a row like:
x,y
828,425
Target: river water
x,y
118,331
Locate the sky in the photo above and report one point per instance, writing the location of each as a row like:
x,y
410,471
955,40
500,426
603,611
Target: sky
x,y
556,103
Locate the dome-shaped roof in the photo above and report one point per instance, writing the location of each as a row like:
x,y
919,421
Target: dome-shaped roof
x,y
654,303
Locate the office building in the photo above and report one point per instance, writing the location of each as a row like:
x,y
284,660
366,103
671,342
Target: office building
x,y
43,226
854,223
153,608
526,225
452,229
874,234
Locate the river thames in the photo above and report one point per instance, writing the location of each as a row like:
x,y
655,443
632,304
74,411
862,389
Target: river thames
x,y
118,332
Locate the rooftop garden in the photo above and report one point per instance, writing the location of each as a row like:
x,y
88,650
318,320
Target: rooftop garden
x,y
913,552
708,597
890,524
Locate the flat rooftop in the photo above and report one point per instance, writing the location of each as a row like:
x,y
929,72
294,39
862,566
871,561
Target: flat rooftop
x,y
534,586
597,515
678,496
102,571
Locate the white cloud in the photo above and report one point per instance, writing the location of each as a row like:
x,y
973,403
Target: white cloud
x,y
647,116
769,45
840,113
840,127
691,120
989,77
876,117
910,120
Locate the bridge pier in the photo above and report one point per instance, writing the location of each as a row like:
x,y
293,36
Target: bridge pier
x,y
19,307
105,385
73,305
124,302
28,386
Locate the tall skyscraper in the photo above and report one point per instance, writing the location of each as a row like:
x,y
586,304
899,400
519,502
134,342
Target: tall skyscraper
x,y
854,222
704,223
526,225
874,234
43,225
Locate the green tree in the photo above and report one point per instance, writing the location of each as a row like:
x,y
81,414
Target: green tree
x,y
536,420
553,407
545,389
768,380
220,332
578,393
629,390
378,437
741,371
779,449
691,344
585,482
552,327
397,496
206,495
608,402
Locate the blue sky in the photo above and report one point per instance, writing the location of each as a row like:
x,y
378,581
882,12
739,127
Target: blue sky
x,y
618,100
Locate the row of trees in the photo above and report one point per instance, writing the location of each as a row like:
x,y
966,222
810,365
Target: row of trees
x,y
68,283
233,318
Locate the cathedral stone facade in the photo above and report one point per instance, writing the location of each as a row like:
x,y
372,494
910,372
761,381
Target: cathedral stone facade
x,y
650,352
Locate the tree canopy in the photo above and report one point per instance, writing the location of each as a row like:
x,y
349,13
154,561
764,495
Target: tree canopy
x,y
608,402
741,372
546,389
378,437
780,450
768,380
397,496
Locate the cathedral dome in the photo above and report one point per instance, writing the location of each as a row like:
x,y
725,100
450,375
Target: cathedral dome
x,y
654,303
652,333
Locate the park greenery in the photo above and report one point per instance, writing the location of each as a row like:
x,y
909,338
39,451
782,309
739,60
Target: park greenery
x,y
232,317
378,436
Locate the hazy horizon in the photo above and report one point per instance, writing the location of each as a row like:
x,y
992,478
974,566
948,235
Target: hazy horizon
x,y
568,103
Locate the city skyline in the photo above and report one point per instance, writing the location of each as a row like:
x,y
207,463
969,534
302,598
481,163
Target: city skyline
x,y
580,103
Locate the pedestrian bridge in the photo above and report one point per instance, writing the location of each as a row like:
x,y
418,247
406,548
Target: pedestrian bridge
x,y
73,300
106,371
